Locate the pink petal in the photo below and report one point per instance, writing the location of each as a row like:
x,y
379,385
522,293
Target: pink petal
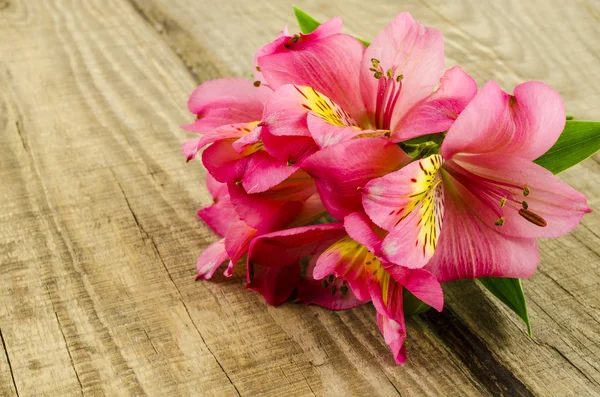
x,y
524,125
287,247
263,171
312,210
275,207
219,216
226,101
332,294
330,65
216,189
340,170
326,134
467,248
386,294
313,292
409,204
223,162
558,204
193,146
437,112
285,112
346,260
257,172
420,282
330,27
210,259
275,284
238,240
288,149
285,42
416,52
394,334
250,142
361,228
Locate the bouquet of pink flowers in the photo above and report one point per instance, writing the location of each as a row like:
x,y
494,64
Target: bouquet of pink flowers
x,y
347,172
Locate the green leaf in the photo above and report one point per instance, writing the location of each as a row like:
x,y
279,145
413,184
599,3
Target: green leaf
x,y
578,141
510,292
308,24
412,305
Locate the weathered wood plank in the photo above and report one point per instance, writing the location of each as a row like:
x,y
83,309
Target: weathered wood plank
x,y
99,239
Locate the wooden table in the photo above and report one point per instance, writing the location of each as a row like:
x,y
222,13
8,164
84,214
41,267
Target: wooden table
x,y
98,237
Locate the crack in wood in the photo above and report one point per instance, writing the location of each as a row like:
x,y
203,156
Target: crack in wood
x,y
593,381
69,353
147,237
166,28
209,349
557,350
12,375
21,137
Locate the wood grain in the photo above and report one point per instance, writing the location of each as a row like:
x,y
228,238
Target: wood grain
x,y
99,240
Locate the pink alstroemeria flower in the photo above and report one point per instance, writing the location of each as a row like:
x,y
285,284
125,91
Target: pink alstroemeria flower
x,y
333,89
342,272
228,113
476,209
280,265
354,258
239,217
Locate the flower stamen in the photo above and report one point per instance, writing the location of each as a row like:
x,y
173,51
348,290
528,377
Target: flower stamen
x,y
532,217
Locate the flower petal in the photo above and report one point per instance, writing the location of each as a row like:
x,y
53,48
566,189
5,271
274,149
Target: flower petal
x,y
340,170
411,50
223,162
467,248
437,112
346,259
558,205
219,216
330,65
216,189
287,247
286,42
409,204
332,294
226,101
238,239
420,282
193,146
526,124
262,172
210,259
275,284
312,292
312,210
257,172
361,228
275,207
394,334
327,134
288,149
286,112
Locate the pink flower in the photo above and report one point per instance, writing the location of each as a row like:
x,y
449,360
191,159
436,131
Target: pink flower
x,y
354,258
343,257
239,217
280,265
332,89
228,113
476,209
